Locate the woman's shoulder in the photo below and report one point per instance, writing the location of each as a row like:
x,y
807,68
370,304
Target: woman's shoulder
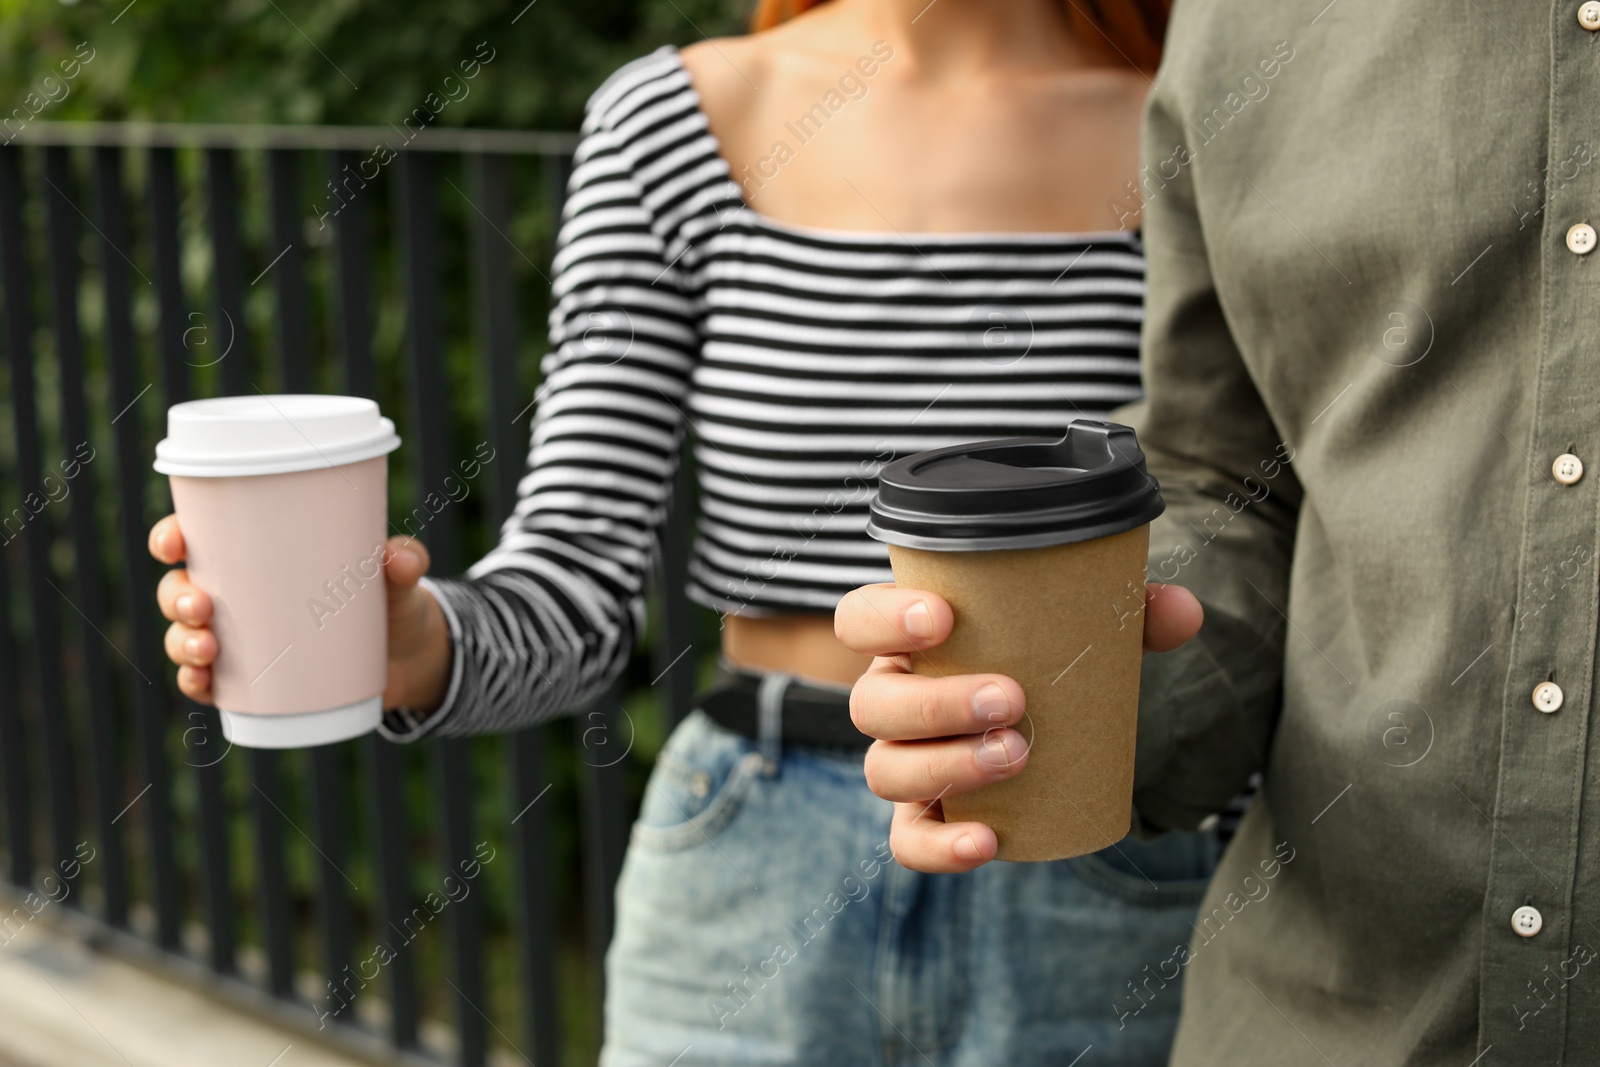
x,y
635,86
726,70
732,75
726,77
721,76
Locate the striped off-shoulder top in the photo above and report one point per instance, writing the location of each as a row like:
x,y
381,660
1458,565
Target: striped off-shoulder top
x,y
796,360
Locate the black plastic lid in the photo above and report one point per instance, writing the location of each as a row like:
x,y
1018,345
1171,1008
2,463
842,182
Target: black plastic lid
x,y
1021,492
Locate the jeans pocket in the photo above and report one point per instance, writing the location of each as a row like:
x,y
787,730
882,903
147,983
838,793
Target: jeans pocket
x,y
1171,870
699,783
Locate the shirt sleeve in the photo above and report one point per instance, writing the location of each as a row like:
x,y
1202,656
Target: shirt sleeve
x,y
1208,709
545,621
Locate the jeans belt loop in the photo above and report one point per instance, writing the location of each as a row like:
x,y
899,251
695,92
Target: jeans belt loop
x,y
769,716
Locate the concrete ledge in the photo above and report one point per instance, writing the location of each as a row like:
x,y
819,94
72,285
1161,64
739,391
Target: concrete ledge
x,y
67,1005
159,999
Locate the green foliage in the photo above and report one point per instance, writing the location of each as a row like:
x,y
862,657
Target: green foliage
x,y
342,62
345,62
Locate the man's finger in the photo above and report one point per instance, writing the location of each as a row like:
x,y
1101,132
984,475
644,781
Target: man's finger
x,y
893,706
885,620
922,841
1172,616
920,770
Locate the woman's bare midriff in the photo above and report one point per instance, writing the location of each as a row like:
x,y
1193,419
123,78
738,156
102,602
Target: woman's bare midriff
x,y
801,645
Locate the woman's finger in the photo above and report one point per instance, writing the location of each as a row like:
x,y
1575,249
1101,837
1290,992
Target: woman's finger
x,y
166,541
190,647
894,706
925,770
181,600
405,560
195,683
885,620
922,841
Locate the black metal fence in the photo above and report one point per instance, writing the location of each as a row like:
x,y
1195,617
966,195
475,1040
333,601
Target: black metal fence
x,y
422,903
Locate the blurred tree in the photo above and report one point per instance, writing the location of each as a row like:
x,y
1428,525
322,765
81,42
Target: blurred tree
x,y
346,62
356,62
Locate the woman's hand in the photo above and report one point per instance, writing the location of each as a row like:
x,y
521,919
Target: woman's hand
x,y
953,734
419,639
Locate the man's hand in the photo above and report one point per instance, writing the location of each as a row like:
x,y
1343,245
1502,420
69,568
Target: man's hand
x,y
949,735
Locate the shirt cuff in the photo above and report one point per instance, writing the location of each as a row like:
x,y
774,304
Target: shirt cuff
x,y
403,724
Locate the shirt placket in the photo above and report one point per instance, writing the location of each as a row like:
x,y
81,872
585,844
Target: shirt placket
x,y
1529,923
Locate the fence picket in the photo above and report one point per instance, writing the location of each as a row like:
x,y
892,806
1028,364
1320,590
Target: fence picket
x,y
381,762
129,398
499,335
18,337
272,882
87,600
419,243
292,325
228,332
187,343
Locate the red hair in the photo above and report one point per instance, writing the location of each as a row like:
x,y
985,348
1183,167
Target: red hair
x,y
1133,28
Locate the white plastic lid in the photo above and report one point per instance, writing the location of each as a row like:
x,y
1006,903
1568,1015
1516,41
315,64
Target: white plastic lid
x,y
233,436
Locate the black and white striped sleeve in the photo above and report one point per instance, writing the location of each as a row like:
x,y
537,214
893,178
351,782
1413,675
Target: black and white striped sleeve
x,y
547,619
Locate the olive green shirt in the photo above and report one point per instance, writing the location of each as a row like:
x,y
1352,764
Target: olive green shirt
x,y
1372,386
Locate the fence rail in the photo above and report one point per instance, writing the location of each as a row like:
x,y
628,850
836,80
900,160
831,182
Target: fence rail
x,y
410,285
325,138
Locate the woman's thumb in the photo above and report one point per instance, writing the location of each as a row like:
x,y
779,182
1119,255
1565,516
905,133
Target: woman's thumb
x,y
404,561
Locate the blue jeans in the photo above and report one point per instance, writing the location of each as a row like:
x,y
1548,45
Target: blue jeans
x,y
761,920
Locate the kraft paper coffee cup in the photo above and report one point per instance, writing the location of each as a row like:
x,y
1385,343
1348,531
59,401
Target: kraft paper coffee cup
x,y
283,503
1040,547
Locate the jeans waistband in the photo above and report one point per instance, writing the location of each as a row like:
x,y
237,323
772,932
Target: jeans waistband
x,y
776,709
727,670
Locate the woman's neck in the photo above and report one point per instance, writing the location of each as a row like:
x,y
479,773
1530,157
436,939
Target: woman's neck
x,y
938,40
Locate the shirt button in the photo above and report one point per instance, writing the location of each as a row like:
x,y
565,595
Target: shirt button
x,y
1589,16
1581,238
1527,921
1568,468
1547,697
700,784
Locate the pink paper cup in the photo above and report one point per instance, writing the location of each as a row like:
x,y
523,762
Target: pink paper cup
x,y
283,502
